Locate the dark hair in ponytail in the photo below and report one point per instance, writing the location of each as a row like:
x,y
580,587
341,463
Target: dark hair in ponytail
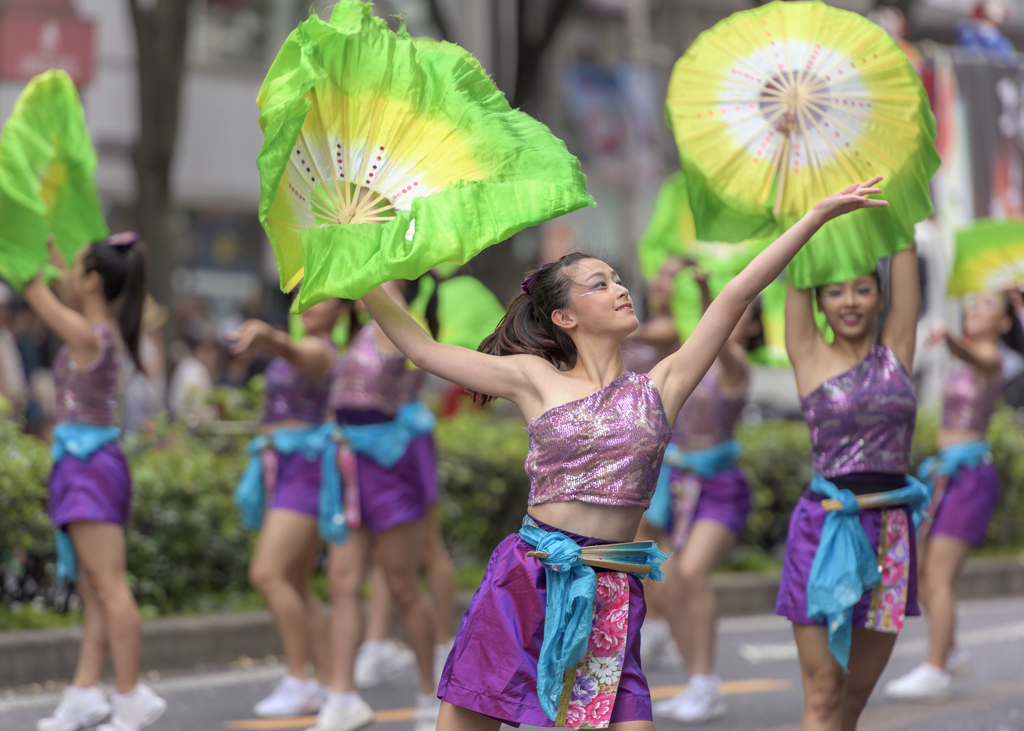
x,y
526,327
122,267
1014,337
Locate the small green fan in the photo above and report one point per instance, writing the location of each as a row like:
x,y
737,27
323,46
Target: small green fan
x,y
467,311
989,256
47,164
385,156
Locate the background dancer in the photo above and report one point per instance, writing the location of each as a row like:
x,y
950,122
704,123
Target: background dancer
x,y
858,399
372,387
90,485
298,382
966,482
597,436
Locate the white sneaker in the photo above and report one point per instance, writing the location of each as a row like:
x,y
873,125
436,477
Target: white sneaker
x,y
135,710
427,708
701,701
343,712
291,697
958,663
381,662
441,653
664,707
78,708
924,681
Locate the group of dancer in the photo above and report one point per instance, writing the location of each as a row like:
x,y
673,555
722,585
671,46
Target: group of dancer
x,y
552,635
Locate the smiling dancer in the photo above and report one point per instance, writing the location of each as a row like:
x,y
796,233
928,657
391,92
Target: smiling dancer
x,y
298,382
858,400
966,482
597,437
90,485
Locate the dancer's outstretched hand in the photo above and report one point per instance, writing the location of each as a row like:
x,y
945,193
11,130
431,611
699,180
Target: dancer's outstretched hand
x,y
849,199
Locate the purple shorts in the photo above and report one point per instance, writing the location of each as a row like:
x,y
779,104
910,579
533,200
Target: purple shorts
x,y
881,608
967,505
724,498
492,668
391,497
297,487
97,489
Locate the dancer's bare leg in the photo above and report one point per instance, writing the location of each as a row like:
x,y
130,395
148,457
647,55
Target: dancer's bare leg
x,y
92,652
378,623
347,565
944,558
440,570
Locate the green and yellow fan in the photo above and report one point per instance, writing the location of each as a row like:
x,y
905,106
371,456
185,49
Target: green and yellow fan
x,y
778,107
670,231
989,256
466,311
385,156
47,164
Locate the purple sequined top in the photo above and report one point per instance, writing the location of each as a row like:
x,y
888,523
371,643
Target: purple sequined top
x,y
605,448
369,379
863,420
709,416
88,395
968,400
291,396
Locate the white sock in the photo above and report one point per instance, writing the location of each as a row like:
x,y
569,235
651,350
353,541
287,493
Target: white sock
x,y
342,699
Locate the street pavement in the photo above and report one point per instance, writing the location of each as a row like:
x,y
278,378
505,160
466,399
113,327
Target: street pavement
x,y
757,661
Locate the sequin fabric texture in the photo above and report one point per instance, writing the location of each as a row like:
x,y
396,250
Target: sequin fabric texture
x,y
968,401
863,420
88,395
709,416
367,378
289,394
605,448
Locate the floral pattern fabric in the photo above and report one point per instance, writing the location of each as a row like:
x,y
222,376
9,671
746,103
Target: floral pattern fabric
x,y
597,675
889,598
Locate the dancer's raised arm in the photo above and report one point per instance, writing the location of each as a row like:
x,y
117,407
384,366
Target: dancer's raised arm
x,y
677,375
900,326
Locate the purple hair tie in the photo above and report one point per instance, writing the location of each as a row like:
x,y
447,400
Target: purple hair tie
x,y
125,238
527,285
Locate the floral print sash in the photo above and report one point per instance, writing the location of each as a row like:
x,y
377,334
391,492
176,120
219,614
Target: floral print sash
x,y
889,597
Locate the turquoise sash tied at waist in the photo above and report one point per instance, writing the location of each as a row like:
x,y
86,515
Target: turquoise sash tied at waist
x,y
704,463
950,459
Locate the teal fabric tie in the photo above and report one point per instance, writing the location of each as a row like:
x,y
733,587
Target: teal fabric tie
x,y
387,443
80,441
950,459
704,463
845,563
569,610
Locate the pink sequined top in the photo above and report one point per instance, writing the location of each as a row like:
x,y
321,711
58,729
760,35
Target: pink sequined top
x,y
968,401
88,395
605,448
369,379
290,395
709,416
863,420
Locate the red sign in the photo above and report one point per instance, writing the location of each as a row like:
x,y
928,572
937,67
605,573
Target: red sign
x,y
31,44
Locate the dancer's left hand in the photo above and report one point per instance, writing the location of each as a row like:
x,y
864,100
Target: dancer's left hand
x,y
851,198
249,336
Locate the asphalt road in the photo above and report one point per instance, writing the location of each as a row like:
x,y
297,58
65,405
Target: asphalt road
x,y
757,661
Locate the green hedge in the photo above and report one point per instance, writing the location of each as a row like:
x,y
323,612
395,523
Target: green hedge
x,y
185,544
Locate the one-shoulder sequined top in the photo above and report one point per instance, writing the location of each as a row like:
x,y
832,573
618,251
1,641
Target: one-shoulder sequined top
x,y
968,400
290,395
369,379
709,416
863,420
606,448
88,395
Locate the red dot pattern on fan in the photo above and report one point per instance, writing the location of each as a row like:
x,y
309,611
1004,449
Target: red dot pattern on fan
x,y
341,163
299,195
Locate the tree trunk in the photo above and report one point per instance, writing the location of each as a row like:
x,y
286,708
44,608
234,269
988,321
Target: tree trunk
x,y
160,29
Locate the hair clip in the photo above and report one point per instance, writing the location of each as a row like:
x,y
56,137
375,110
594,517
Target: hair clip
x,y
125,238
527,284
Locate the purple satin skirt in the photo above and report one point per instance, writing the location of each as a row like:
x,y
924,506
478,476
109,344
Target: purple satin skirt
x,y
297,487
967,505
492,668
805,527
97,489
391,497
724,498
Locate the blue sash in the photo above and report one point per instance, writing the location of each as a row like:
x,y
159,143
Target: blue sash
x,y
80,441
704,463
952,458
845,564
569,612
387,443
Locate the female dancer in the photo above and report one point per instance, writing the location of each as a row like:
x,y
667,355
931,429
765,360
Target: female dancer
x,y
967,483
709,504
298,382
90,486
859,402
598,434
373,394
